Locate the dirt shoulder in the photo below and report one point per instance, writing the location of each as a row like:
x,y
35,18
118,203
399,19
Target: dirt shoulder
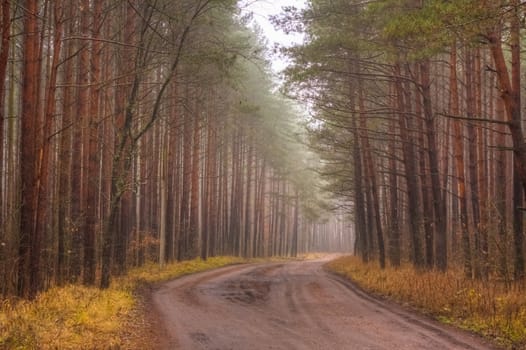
x,y
144,329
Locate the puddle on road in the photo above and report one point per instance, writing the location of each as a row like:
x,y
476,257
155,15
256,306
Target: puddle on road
x,y
248,291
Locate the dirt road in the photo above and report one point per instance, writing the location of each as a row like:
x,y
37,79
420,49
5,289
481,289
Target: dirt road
x,y
288,306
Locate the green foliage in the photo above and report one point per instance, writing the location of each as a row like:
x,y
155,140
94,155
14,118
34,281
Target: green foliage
x,y
351,43
423,29
275,124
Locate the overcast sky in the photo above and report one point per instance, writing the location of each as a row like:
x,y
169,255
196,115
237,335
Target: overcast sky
x,y
262,10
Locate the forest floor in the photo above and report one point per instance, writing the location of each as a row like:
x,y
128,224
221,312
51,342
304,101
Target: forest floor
x,y
291,305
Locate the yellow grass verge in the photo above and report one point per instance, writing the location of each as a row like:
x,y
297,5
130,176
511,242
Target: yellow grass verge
x,y
487,308
78,317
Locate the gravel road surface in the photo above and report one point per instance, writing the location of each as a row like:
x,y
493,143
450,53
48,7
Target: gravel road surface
x,y
295,305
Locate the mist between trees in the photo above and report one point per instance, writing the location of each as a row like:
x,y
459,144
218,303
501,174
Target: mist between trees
x,y
417,113
135,131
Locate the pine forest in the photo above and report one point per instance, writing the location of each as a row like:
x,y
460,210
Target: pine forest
x,y
145,130
150,132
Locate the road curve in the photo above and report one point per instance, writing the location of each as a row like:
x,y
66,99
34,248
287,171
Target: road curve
x,y
294,305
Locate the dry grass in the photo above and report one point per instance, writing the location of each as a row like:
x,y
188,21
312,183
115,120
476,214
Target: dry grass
x,y
72,317
78,317
487,308
154,273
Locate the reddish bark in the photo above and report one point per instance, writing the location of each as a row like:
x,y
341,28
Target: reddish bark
x,y
458,147
409,155
29,244
511,95
92,169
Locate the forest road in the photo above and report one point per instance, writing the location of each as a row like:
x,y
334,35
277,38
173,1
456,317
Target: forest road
x,y
293,305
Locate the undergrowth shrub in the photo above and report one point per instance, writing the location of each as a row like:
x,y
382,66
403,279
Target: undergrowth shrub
x,y
485,307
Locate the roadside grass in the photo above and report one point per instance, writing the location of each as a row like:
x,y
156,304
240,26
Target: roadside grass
x,y
488,308
78,317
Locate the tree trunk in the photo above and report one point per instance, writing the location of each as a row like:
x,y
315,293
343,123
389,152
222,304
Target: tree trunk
x,y
163,189
438,202
409,156
295,227
29,245
5,28
518,197
79,110
213,179
92,171
372,178
510,94
64,192
193,248
425,186
501,196
259,213
359,200
458,147
472,163
185,200
394,218
248,201
43,186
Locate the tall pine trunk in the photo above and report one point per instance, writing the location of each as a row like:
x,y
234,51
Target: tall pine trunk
x,y
29,244
458,147
409,157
